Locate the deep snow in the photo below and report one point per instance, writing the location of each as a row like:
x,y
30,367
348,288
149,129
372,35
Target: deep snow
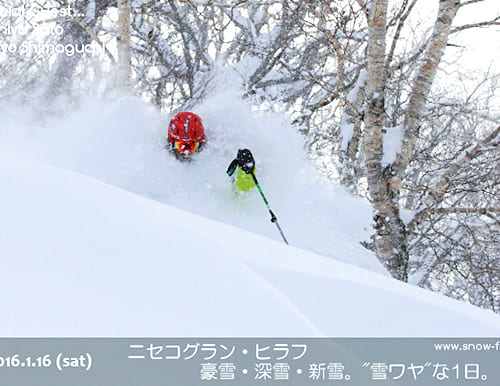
x,y
82,258
103,233
122,143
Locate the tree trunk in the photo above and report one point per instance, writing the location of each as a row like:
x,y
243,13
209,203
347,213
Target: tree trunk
x,y
390,240
384,184
352,119
123,45
423,82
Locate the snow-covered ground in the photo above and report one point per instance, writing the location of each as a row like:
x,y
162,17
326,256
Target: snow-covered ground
x,y
122,143
103,233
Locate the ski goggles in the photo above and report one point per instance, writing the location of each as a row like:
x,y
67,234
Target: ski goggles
x,y
186,146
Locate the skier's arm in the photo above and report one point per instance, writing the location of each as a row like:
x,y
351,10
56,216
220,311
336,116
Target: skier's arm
x,y
232,167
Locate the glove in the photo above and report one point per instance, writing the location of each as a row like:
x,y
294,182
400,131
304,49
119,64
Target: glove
x,y
246,161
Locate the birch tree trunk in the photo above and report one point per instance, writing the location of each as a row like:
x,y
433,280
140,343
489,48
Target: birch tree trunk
x,y
423,82
390,240
123,45
353,117
384,183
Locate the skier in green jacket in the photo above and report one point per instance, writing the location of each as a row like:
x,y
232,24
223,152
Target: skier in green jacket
x,y
245,180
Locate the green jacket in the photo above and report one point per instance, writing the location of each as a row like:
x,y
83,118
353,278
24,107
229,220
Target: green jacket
x,y
244,181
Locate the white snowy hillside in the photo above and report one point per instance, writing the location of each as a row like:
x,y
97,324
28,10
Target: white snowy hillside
x,y
84,258
123,144
103,233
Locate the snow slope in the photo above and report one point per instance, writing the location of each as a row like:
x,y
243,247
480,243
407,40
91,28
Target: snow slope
x,y
122,144
103,233
84,258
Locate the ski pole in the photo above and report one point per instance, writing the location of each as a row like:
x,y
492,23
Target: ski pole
x,y
274,219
